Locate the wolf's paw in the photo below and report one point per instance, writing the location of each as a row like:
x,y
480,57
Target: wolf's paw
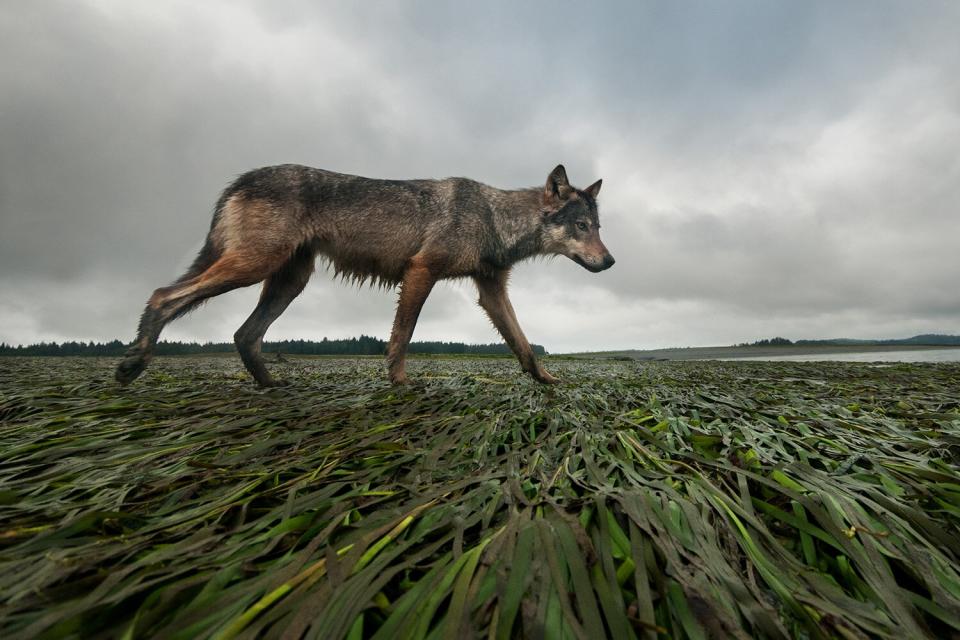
x,y
399,379
543,377
129,369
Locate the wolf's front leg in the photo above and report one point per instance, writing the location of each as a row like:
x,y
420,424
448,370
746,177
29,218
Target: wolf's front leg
x,y
417,283
494,300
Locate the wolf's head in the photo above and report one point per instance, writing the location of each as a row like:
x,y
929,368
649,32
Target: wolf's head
x,y
571,224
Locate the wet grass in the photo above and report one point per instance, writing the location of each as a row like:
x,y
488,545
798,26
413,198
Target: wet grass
x,y
683,499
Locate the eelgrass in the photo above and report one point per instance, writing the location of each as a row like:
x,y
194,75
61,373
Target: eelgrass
x,y
670,500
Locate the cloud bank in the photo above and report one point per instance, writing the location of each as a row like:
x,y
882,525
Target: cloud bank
x,y
768,169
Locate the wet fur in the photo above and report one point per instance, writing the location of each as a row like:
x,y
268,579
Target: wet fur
x,y
272,224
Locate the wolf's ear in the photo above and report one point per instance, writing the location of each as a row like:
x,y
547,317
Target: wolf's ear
x,y
594,189
557,187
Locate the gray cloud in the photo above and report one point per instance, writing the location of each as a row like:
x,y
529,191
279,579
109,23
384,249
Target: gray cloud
x,y
789,169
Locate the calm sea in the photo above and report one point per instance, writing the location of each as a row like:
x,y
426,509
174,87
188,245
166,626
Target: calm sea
x,y
920,355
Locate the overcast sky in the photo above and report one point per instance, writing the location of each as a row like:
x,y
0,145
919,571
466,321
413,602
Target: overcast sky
x,y
769,168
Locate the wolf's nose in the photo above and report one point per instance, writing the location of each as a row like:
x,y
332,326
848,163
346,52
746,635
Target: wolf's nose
x,y
608,261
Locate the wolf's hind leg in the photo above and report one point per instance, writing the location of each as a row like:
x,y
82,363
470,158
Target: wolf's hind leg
x,y
139,355
418,281
494,300
168,303
279,290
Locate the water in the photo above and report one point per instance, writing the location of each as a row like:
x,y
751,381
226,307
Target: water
x,y
917,355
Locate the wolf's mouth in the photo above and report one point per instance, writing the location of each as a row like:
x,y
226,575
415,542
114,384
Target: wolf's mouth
x,y
586,265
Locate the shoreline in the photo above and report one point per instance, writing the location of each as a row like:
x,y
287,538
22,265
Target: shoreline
x,y
716,353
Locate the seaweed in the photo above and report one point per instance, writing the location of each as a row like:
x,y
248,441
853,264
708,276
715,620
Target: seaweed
x,y
636,500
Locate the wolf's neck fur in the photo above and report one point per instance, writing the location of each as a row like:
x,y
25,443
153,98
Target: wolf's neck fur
x,y
518,223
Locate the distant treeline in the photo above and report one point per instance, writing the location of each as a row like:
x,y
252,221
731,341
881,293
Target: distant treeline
x,y
362,346
927,339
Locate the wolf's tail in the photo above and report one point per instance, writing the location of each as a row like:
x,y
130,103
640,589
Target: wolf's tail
x,y
209,254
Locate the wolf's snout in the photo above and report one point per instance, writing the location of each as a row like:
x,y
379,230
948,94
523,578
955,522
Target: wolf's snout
x,y
608,261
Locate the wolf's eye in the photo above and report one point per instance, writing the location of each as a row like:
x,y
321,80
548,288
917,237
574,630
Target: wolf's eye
x,y
582,226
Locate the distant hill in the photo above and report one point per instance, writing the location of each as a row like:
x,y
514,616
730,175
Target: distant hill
x,y
926,339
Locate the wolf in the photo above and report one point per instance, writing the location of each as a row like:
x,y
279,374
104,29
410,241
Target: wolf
x,y
272,223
